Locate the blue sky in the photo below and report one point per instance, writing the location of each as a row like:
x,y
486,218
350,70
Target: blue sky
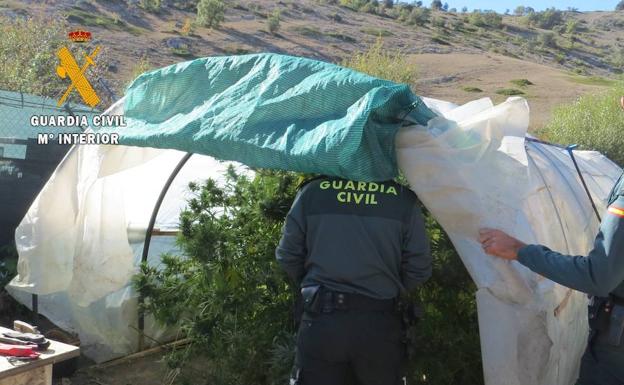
x,y
502,5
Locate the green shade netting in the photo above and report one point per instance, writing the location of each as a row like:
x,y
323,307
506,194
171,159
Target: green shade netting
x,y
273,111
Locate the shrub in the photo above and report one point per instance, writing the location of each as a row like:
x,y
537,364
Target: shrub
x,y
509,92
229,296
210,13
353,4
546,19
594,121
572,26
187,28
418,16
547,39
142,66
380,62
438,22
472,89
273,21
486,19
150,5
521,82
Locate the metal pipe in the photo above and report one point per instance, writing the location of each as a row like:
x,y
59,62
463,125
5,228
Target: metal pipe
x,y
148,238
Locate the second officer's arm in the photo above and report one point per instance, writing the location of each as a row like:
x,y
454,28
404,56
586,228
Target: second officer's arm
x,y
598,273
291,250
416,254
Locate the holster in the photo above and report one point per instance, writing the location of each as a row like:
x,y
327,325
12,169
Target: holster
x,y
606,320
311,296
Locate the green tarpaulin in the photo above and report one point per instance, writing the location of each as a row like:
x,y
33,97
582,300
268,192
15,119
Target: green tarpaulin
x,y
273,111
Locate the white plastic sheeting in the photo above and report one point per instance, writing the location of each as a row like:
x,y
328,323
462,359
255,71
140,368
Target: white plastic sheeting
x,y
472,169
82,238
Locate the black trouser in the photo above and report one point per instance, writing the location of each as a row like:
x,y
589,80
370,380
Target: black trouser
x,y
347,347
603,361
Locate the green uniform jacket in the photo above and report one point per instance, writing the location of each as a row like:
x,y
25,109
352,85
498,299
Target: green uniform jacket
x,y
364,238
602,271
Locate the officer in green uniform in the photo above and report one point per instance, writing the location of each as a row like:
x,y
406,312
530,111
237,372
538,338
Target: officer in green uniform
x,y
600,274
353,248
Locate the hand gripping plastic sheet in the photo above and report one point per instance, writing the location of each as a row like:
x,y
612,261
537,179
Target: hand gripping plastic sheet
x,y
473,168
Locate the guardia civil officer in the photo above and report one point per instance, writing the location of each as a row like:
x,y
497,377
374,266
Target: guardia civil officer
x,y
353,248
600,274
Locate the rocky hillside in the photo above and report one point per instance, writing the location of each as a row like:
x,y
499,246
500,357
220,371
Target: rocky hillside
x,y
583,50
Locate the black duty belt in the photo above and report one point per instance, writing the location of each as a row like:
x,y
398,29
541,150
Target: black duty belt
x,y
333,300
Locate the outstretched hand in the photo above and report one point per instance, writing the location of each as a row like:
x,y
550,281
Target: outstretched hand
x,y
499,244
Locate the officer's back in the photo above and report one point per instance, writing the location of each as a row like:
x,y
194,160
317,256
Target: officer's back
x,y
353,247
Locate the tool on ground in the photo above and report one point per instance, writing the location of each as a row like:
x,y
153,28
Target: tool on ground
x,y
18,338
24,327
19,351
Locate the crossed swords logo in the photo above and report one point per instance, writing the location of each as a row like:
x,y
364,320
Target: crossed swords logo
x,y
69,67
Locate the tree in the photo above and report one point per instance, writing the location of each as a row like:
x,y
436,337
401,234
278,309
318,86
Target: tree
x,y
389,3
445,7
620,6
464,9
436,5
274,21
210,13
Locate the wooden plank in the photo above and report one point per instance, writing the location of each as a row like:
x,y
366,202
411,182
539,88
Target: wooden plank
x,y
57,352
37,376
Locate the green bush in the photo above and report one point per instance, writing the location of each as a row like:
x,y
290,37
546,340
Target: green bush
x,y
28,55
472,89
595,121
150,5
486,19
438,22
418,16
380,62
547,19
509,92
273,21
572,26
355,5
521,82
547,39
229,295
210,13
